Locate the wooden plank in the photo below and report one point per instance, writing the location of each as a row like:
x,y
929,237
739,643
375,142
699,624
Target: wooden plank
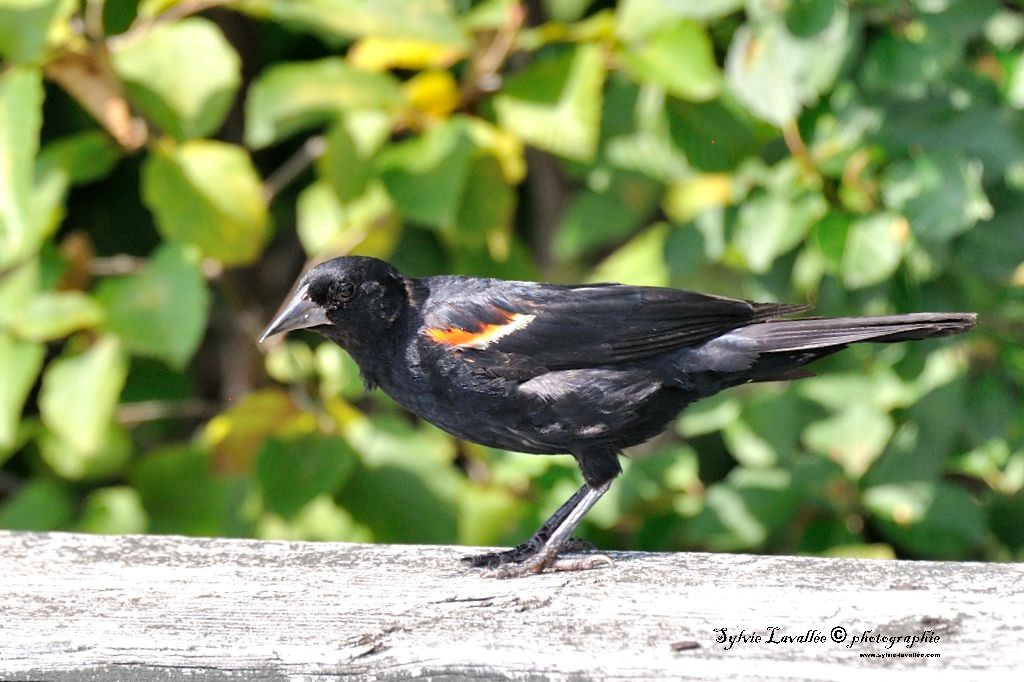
x,y
81,607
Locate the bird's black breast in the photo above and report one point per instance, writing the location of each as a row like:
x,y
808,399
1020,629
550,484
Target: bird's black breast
x,y
515,403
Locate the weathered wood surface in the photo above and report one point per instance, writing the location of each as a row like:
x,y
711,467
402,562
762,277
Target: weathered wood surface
x,y
79,607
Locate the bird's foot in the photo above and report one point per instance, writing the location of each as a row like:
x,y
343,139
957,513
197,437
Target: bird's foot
x,y
543,562
533,557
573,545
516,555
524,552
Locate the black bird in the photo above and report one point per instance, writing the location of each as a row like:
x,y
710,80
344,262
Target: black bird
x,y
551,369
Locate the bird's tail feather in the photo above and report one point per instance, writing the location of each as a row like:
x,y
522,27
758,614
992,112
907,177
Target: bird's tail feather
x,y
809,334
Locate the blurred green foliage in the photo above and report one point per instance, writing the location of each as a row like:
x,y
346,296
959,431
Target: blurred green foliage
x,y
167,167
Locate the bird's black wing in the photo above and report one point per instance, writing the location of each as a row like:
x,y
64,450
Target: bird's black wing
x,y
563,327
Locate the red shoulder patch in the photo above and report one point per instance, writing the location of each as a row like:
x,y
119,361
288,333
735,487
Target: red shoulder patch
x,y
482,335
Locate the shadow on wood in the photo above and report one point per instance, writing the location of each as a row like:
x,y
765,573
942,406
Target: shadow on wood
x,y
76,607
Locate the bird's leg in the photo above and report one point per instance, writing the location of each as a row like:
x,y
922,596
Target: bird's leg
x,y
534,544
547,555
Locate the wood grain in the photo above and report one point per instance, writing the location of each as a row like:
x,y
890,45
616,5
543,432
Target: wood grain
x,y
82,607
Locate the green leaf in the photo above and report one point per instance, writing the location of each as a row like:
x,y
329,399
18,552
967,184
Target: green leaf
x,y
685,251
709,415
337,372
54,314
234,437
183,76
39,506
555,104
1005,28
400,505
320,219
601,216
29,27
861,551
928,519
320,520
768,430
20,362
207,193
879,389
293,471
487,514
72,463
81,157
806,18
113,511
427,20
906,68
1015,86
940,195
771,225
907,61
488,204
641,261
366,226
181,495
995,252
636,18
79,394
343,166
566,10
854,437
763,68
873,250
21,101
648,150
714,136
980,131
743,511
829,239
426,177
291,97
921,447
679,58
391,440
646,480
291,362
1006,518
993,410
775,74
160,312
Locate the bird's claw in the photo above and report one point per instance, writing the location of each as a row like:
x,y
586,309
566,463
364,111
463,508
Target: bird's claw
x,y
541,563
516,555
573,545
523,553
523,560
584,563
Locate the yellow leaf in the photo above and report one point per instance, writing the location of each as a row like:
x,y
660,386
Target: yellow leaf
x,y
344,413
434,94
1017,279
381,54
689,198
503,145
236,436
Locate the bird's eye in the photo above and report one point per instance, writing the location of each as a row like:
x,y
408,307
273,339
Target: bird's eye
x,y
342,291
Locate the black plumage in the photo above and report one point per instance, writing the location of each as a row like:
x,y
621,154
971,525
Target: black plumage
x,y
548,369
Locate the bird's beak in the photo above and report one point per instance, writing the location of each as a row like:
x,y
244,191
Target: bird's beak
x,y
298,313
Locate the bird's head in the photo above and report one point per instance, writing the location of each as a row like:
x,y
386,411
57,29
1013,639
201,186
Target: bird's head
x,y
352,300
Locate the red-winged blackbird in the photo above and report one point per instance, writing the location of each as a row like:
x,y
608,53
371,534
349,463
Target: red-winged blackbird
x,y
551,369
